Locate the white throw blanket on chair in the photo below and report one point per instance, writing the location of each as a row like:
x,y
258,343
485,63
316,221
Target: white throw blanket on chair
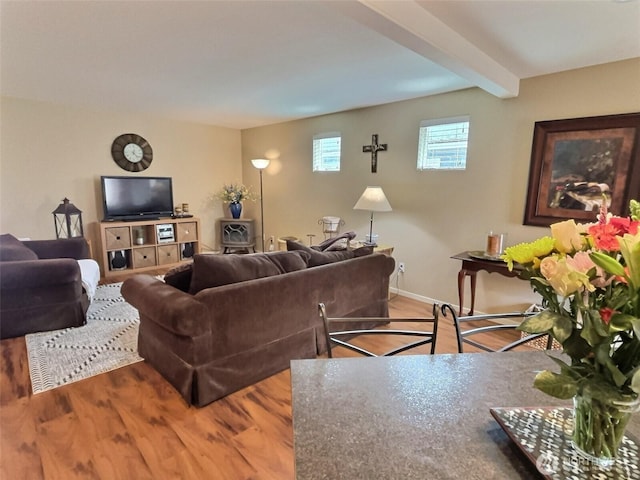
x,y
90,272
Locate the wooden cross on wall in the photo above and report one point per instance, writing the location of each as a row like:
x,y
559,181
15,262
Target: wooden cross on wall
x,y
374,148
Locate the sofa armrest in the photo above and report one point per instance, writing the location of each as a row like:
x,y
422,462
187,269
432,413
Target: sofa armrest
x,y
77,248
39,273
172,309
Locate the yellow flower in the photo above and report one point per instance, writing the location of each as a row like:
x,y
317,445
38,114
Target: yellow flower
x,y
525,253
567,236
564,279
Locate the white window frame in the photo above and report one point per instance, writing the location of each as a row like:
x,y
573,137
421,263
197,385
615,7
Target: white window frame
x,y
459,144
324,154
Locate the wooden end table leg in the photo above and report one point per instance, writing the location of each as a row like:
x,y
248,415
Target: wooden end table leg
x,y
461,274
473,291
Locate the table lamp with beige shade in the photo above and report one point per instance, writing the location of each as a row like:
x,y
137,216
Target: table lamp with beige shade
x,y
372,199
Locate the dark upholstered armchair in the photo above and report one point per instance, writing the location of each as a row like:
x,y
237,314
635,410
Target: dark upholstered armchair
x,y
41,285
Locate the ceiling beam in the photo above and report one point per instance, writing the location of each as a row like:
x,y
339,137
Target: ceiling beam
x,y
408,23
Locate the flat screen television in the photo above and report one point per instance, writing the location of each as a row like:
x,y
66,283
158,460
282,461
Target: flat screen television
x,y
136,198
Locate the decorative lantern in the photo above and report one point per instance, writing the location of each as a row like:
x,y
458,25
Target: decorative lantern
x,y
68,220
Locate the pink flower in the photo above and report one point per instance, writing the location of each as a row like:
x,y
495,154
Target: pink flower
x,y
581,262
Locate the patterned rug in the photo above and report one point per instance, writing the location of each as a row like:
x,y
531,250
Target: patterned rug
x,y
108,341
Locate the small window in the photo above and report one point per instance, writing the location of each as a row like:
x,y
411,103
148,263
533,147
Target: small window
x,y
326,152
442,144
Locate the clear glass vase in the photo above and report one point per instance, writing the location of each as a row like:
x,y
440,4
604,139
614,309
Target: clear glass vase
x,y
598,429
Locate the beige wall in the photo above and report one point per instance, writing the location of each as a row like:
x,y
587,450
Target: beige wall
x,y
435,214
48,152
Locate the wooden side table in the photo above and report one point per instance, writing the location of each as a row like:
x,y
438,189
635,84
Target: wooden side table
x,y
471,266
386,249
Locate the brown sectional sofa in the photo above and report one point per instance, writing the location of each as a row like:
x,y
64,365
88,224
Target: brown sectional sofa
x,y
212,342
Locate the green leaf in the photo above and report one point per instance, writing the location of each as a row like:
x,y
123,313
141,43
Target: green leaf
x,y
621,322
602,390
608,264
540,323
556,385
635,382
592,329
598,323
566,369
576,346
630,250
635,323
602,354
634,207
562,328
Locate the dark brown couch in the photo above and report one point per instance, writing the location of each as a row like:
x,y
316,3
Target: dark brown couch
x,y
223,338
41,285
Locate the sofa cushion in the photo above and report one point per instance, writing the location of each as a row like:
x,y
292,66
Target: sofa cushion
x,y
322,258
289,261
12,249
180,277
216,270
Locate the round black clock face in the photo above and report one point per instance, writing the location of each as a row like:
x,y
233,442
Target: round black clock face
x,y
132,152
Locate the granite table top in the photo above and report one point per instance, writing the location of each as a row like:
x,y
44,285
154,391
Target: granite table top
x,y
414,416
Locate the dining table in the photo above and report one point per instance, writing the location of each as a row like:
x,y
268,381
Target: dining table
x,y
429,417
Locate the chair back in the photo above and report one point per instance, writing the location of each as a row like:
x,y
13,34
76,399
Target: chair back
x,y
337,331
494,322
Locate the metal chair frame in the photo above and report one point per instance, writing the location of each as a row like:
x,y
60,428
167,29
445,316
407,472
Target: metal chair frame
x,y
426,337
462,335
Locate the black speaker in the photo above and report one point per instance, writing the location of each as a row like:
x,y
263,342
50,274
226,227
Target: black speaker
x,y
187,250
118,260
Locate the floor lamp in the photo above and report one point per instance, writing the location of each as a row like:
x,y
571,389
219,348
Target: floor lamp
x,y
261,164
374,200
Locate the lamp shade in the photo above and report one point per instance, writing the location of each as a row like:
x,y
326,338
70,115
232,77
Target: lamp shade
x,y
260,163
374,200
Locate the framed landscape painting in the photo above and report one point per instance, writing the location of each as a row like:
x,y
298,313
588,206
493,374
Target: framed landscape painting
x,y
577,164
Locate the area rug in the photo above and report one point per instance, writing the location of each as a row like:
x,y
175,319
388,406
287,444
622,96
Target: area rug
x,y
108,341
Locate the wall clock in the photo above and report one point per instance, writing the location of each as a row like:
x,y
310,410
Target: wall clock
x,y
132,152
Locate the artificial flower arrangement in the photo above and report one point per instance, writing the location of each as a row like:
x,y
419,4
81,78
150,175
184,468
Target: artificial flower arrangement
x,y
236,193
589,279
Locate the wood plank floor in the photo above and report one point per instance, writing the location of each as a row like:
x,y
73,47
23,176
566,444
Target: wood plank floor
x,y
131,424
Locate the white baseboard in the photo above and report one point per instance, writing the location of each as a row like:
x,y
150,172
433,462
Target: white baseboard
x,y
414,296
423,299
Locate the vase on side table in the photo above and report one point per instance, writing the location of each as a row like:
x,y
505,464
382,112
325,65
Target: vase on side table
x,y
235,208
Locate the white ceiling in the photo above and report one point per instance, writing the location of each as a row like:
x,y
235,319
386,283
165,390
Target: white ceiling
x,y
242,63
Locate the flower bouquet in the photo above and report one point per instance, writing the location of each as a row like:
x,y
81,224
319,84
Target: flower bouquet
x,y
236,193
589,279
